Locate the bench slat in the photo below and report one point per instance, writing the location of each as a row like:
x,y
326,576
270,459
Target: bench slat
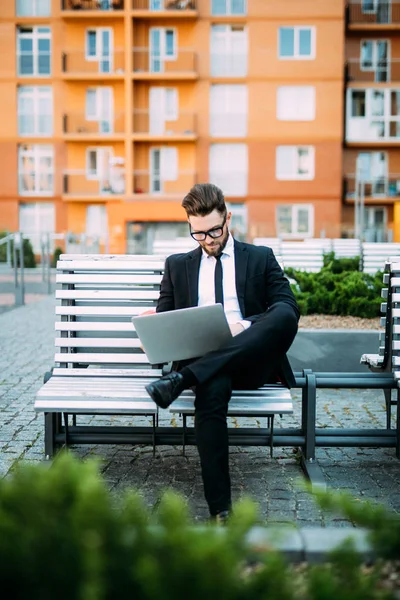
x,y
93,326
100,311
101,358
97,342
104,372
119,279
104,265
115,295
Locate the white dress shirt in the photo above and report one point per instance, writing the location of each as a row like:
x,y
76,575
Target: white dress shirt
x,y
207,287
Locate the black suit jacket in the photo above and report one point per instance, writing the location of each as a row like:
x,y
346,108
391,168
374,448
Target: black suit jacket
x,y
260,283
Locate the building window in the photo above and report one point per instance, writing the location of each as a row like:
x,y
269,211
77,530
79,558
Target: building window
x,y
295,220
33,8
35,170
164,108
295,103
295,162
96,221
297,43
229,48
35,110
374,57
228,7
228,168
163,47
99,48
228,110
373,114
34,51
99,107
35,220
163,167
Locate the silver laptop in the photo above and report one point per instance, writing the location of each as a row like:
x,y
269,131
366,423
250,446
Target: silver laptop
x,y
182,334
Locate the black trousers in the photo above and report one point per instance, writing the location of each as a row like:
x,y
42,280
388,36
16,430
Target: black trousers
x,y
248,361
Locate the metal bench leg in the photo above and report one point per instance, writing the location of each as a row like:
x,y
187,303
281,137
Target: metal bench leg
x,y
271,437
309,464
49,434
184,435
66,430
155,419
398,425
74,420
388,401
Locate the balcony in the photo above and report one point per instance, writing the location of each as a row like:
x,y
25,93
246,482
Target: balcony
x,y
181,9
77,65
373,14
151,185
77,126
79,185
153,125
148,65
377,190
80,8
383,71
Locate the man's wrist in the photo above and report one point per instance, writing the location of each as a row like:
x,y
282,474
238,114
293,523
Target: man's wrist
x,y
245,324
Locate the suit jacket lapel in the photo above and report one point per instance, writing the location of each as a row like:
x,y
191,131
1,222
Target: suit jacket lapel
x,y
241,259
192,271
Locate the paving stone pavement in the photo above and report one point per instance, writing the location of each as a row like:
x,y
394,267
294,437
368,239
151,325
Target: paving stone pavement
x,y
27,349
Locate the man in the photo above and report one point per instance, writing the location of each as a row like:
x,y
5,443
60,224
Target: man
x,y
262,314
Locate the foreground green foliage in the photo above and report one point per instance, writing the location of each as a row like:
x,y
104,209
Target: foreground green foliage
x,y
338,289
29,255
63,535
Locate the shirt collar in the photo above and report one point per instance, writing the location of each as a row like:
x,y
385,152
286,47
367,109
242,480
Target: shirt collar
x,y
228,250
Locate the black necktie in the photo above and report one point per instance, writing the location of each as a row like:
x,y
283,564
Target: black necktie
x,y
219,292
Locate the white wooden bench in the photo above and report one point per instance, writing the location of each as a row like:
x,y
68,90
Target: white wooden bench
x,y
100,368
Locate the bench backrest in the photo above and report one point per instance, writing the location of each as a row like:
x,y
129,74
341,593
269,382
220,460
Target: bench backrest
x,y
97,297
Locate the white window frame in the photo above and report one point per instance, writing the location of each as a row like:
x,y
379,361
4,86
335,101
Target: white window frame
x,y
373,10
99,57
35,35
285,88
164,57
295,176
36,93
98,150
226,31
219,114
228,9
294,219
228,170
35,221
103,114
166,153
33,8
369,117
296,31
374,68
35,152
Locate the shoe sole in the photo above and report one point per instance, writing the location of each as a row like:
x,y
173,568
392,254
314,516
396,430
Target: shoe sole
x,y
154,395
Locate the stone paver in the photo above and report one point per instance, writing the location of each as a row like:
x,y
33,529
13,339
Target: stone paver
x,y
27,349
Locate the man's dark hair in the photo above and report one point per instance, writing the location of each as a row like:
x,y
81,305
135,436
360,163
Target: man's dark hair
x,y
202,199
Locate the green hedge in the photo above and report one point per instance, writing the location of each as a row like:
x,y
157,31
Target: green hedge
x,y
338,289
64,535
29,255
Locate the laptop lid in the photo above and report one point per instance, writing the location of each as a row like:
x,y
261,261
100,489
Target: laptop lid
x,y
182,334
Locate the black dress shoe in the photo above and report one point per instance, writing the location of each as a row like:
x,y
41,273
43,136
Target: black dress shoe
x,y
221,518
166,389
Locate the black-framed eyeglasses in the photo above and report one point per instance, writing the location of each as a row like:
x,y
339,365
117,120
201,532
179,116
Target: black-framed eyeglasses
x,y
214,233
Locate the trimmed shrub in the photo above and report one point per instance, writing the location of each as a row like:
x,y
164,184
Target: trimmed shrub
x,y
338,289
29,255
64,535
56,256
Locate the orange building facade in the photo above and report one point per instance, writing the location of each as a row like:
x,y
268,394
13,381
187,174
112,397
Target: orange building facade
x,y
110,110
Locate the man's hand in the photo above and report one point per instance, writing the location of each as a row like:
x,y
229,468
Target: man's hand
x,y
236,328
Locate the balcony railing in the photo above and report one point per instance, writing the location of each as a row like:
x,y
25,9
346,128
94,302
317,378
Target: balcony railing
x,y
80,183
156,124
161,5
382,71
77,123
77,62
154,182
373,12
376,187
92,4
145,61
